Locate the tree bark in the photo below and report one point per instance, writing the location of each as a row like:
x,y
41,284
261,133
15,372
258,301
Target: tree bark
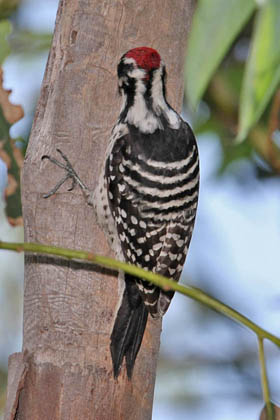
x,y
65,370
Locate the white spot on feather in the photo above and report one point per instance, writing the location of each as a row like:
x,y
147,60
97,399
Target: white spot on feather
x,y
123,213
142,224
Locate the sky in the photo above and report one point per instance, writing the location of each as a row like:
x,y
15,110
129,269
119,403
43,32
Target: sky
x,y
234,253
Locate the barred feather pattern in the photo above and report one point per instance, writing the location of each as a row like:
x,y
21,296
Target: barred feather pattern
x,y
152,182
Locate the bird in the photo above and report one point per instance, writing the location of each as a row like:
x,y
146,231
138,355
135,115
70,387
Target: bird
x,y
146,196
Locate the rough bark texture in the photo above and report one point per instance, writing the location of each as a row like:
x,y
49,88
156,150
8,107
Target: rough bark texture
x,y
69,308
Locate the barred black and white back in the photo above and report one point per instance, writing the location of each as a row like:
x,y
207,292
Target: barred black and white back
x,y
147,196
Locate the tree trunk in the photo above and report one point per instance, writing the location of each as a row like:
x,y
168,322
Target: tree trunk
x,y
65,369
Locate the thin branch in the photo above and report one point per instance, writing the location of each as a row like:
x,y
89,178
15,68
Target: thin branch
x,y
265,387
156,279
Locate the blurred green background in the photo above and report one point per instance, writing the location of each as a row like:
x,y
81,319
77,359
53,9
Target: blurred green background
x,y
208,366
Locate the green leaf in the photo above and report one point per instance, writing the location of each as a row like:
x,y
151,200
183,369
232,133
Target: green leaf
x,y
215,25
5,30
7,7
262,73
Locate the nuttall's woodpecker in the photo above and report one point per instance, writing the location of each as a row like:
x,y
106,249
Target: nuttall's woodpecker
x,y
147,194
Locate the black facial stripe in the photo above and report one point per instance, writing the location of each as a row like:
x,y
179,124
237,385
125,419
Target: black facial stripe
x,y
124,68
129,89
163,79
148,92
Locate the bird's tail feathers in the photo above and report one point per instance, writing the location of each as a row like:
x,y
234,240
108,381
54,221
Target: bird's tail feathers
x,y
129,328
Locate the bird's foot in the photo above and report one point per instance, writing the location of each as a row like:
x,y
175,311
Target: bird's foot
x,y
70,174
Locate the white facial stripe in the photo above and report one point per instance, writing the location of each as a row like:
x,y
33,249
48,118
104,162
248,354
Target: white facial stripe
x,y
137,73
129,60
159,102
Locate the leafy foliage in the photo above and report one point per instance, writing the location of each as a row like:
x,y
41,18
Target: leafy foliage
x,y
7,7
211,50
210,39
5,30
262,74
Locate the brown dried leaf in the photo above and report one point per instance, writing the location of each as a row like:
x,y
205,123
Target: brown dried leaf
x,y
12,185
10,154
276,413
12,113
16,221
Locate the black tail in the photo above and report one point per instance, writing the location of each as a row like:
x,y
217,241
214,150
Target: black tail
x,y
129,328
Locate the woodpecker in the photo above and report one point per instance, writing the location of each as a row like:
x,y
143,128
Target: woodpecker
x,y
147,194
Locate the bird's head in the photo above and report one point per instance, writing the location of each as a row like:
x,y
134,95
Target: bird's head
x,y
142,78
139,64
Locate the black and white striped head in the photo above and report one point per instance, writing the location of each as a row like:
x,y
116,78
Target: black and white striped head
x,y
142,64
142,74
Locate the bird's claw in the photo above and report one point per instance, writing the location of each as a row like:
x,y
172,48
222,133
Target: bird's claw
x,y
70,174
